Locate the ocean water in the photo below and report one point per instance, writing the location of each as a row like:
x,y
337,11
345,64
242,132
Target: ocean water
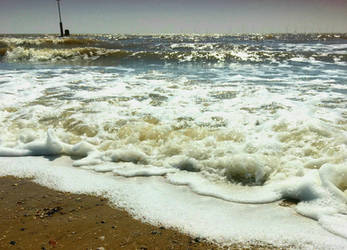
x,y
242,119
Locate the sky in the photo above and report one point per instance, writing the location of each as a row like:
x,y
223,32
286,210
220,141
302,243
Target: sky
x,y
174,16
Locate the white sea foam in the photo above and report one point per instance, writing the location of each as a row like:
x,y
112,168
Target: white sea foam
x,y
154,200
321,193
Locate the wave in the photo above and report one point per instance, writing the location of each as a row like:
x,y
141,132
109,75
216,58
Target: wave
x,y
110,49
110,56
10,41
20,54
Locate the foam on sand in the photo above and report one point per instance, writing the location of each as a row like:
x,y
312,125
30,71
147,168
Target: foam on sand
x,y
156,201
321,192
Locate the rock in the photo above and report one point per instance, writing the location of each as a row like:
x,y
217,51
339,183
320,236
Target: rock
x,y
12,242
47,212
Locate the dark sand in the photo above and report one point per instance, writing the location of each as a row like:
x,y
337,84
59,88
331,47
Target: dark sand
x,y
35,217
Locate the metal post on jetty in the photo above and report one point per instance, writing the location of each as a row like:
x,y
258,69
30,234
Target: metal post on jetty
x,y
60,22
67,32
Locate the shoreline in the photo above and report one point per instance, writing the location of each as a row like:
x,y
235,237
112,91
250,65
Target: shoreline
x,y
35,217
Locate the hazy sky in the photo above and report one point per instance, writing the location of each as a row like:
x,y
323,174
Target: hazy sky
x,y
174,16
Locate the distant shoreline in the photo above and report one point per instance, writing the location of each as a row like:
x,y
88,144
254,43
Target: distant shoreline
x,y
198,34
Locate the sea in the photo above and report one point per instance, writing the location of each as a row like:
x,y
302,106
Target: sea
x,y
232,138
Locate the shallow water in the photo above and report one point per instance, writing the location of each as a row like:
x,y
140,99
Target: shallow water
x,y
248,118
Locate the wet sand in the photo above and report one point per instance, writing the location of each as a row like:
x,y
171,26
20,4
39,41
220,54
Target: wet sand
x,y
35,217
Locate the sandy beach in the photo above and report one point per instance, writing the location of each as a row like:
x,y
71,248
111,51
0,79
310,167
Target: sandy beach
x,y
35,217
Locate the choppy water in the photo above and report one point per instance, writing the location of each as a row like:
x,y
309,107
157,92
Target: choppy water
x,y
114,50
246,118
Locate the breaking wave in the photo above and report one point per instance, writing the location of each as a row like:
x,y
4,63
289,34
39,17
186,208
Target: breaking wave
x,y
110,50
